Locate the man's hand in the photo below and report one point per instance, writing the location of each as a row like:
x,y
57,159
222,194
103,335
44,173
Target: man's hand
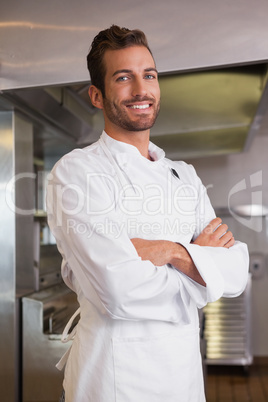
x,y
215,234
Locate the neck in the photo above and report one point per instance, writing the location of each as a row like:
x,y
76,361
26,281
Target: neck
x,y
139,139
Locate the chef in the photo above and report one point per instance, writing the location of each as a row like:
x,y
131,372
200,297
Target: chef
x,y
140,243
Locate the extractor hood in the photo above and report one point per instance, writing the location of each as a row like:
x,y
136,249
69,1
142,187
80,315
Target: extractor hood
x,y
209,112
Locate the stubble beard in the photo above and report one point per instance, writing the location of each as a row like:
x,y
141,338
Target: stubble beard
x,y
120,118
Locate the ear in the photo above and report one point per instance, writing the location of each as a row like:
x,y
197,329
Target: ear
x,y
95,96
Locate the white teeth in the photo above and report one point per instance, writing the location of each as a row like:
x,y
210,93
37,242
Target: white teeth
x,y
139,106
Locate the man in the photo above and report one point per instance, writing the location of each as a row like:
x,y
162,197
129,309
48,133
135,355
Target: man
x,y
140,243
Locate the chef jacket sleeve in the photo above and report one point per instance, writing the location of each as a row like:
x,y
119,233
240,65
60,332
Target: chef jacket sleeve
x,y
225,271
92,238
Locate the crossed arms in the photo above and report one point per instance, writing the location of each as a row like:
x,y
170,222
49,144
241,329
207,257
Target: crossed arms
x,y
161,252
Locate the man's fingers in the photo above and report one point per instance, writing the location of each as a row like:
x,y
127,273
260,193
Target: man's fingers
x,y
215,234
221,230
229,243
213,225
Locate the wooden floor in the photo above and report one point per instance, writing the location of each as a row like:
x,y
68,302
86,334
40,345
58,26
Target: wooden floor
x,y
234,384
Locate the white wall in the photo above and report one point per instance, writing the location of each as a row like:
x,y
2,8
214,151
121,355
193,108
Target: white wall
x,y
223,173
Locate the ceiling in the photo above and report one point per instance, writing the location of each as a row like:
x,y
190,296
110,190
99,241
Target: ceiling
x,y
45,43
211,55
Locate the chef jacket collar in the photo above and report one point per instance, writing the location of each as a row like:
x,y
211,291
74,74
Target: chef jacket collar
x,y
121,150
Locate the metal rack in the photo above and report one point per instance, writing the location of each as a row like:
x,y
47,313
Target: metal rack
x,y
228,330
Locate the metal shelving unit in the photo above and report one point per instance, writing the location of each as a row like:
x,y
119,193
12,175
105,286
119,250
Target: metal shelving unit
x,y
228,330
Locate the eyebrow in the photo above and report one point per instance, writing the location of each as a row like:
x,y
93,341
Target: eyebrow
x,y
130,71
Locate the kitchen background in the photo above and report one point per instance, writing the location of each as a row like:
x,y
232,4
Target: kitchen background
x,y
212,59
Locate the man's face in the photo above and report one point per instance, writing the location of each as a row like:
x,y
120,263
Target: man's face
x,y
132,94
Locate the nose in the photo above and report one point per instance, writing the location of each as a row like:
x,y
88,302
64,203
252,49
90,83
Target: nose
x,y
139,87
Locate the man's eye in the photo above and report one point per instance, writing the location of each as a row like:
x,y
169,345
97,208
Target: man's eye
x,y
150,77
123,78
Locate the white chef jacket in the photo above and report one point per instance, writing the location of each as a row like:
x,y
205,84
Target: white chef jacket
x,y
138,335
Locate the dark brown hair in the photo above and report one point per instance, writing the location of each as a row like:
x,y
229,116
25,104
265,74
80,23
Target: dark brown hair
x,y
113,38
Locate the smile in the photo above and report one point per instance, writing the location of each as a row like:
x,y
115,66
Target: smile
x,y
139,106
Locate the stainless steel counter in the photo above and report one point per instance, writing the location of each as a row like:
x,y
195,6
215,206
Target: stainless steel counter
x,y
45,314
